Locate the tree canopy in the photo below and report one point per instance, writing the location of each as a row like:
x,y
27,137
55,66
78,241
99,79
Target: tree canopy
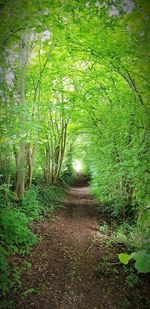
x,y
69,68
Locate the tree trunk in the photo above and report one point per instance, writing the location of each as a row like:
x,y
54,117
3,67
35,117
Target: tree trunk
x,y
20,172
29,164
20,162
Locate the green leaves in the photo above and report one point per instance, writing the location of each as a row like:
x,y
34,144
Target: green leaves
x,y
124,258
141,258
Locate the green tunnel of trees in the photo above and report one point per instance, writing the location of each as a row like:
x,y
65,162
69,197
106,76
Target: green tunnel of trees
x,y
75,85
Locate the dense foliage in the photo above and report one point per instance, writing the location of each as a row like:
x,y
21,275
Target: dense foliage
x,y
74,84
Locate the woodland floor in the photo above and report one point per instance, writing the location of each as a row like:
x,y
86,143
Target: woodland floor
x,y
72,266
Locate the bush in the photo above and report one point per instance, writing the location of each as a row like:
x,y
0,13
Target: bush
x,y
14,227
16,237
15,234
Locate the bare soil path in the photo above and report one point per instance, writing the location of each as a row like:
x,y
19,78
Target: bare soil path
x,y
72,267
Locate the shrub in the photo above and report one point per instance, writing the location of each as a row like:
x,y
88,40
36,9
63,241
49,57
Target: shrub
x,y
15,234
14,228
16,237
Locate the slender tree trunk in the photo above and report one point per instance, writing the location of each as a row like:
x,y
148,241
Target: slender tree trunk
x,y
20,172
21,158
29,164
62,150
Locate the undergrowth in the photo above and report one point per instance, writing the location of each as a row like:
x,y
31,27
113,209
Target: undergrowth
x,y
16,236
133,237
68,178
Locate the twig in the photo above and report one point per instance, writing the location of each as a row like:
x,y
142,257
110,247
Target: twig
x,y
45,265
129,296
89,247
107,306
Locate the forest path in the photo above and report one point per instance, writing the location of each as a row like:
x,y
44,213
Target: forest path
x,y
69,268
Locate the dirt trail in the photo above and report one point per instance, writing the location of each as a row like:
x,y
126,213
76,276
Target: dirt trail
x,y
65,272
